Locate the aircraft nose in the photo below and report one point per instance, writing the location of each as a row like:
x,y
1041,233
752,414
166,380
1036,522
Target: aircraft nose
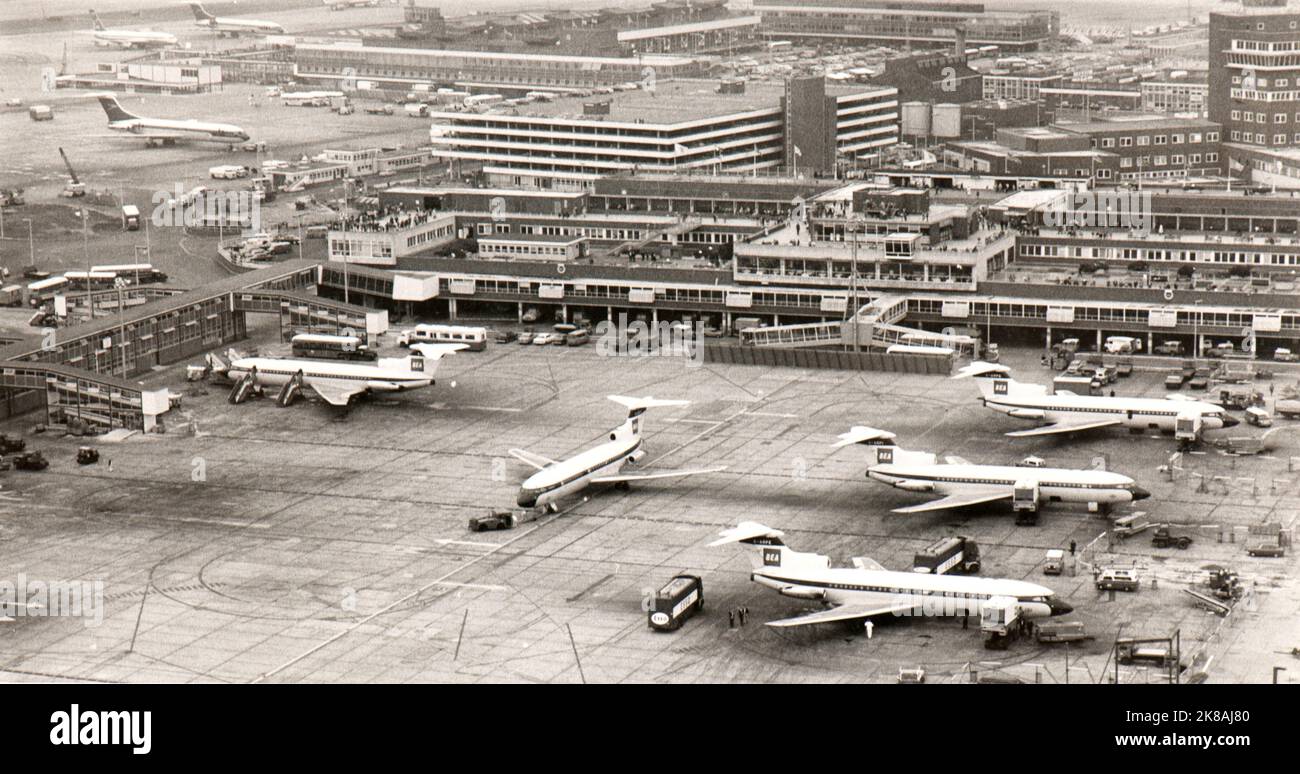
x,y
1056,607
1230,421
1140,494
527,499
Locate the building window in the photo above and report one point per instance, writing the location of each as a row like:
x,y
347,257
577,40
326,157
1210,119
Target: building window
x,y
1279,139
1250,118
1108,142
1212,137
1144,141
1125,142
1279,118
1161,139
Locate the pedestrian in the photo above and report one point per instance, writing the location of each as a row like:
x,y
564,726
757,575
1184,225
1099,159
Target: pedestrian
x,y
1072,547
731,619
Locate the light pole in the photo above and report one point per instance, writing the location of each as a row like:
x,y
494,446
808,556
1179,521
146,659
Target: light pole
x,y
31,243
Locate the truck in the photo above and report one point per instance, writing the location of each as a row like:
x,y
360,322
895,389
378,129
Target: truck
x,y
1000,622
130,218
1164,537
32,460
957,554
1172,348
1060,631
1237,396
1077,385
11,295
1187,428
227,172
9,444
678,600
1024,502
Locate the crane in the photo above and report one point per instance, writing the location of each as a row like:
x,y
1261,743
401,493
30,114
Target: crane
x,y
74,187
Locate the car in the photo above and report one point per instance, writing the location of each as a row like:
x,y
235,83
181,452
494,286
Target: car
x,y
1266,549
547,337
1117,580
494,520
1032,462
1285,356
1174,380
526,337
10,444
505,337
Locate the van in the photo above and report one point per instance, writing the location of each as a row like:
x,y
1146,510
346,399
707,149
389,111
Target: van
x,y
1109,579
1258,417
577,338
317,232
1054,563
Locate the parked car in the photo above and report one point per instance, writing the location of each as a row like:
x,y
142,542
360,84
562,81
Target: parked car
x,y
1266,549
1174,380
525,337
505,336
547,337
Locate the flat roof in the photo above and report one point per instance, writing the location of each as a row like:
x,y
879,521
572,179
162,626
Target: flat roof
x,y
1143,124
670,102
661,60
686,29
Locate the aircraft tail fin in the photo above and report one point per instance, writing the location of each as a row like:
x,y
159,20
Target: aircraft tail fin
x,y
883,447
766,547
869,436
113,109
981,368
200,13
635,408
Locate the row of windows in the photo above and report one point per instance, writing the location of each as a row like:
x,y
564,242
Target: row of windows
x,y
1262,118
1159,139
1030,250
1260,138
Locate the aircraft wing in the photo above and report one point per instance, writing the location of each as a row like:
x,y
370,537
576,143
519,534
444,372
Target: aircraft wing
x,y
1061,427
336,392
536,460
437,351
841,613
955,501
955,460
621,477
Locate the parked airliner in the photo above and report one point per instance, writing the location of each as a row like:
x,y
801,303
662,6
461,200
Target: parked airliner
x,y
1066,412
962,483
167,130
601,464
867,589
129,38
339,382
229,25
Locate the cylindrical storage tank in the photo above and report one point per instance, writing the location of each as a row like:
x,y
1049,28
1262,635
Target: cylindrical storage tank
x,y
916,119
946,121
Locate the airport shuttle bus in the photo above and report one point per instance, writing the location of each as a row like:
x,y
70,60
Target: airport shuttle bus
x,y
318,346
90,280
43,291
135,273
474,338
681,598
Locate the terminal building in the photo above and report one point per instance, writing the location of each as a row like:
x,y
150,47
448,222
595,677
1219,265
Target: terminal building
x,y
905,23
400,68
1254,89
683,125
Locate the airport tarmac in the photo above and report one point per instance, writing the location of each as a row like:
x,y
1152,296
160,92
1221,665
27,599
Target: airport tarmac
x,y
255,543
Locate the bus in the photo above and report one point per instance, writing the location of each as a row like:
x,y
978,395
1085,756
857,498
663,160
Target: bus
x,y
90,280
42,291
320,346
135,273
474,337
681,598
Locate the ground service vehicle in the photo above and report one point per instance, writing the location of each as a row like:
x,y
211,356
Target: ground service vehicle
x,y
32,460
494,520
1117,580
679,599
475,338
1024,502
1258,417
1164,538
130,218
10,444
87,455
1174,380
957,554
1055,562
319,346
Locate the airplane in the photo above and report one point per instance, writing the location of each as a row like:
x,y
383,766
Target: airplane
x,y
867,589
962,483
233,26
339,5
601,464
167,131
1066,412
129,38
339,382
